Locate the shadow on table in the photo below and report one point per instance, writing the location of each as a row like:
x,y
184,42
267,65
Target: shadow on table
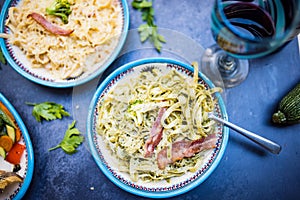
x,y
246,144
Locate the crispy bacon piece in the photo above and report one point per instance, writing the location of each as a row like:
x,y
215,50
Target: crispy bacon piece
x,y
185,149
155,134
49,26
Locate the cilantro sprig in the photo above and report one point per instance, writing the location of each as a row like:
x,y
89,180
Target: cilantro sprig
x,y
149,29
48,111
71,140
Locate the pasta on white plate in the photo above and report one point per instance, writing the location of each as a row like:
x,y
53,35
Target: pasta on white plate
x,y
96,26
156,124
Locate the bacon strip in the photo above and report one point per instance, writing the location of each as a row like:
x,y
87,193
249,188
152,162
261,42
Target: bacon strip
x,y
49,26
155,134
185,149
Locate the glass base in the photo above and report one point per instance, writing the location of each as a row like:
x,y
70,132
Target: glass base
x,y
216,62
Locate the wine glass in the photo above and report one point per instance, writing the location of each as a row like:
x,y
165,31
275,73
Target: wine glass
x,y
246,29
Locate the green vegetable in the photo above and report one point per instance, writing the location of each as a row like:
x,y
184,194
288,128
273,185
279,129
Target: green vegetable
x,y
2,127
289,108
11,132
71,141
138,101
5,120
60,8
2,152
3,131
148,30
48,111
2,59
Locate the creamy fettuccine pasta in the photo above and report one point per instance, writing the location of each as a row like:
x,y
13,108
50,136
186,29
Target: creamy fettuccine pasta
x,y
96,26
156,124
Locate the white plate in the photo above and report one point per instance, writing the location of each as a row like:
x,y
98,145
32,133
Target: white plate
x,y
17,191
108,165
18,61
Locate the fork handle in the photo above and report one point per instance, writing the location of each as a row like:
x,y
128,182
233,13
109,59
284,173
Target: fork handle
x,y
266,143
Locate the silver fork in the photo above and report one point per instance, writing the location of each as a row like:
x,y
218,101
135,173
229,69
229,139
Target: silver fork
x,y
266,143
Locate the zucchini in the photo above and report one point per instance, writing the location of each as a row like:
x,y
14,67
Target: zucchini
x,y
2,153
11,132
289,108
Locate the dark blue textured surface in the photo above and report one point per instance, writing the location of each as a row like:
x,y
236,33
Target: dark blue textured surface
x,y
245,172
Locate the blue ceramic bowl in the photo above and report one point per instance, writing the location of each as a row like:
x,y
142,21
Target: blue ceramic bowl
x,y
27,160
19,63
160,189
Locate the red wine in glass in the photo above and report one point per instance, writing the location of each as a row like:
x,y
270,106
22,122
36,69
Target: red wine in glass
x,y
248,29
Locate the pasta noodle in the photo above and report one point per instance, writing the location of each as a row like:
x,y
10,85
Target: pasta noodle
x,y
97,26
128,111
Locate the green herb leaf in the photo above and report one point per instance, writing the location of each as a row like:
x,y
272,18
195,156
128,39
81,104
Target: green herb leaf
x,y
60,8
2,58
71,140
161,38
141,4
48,111
145,32
148,30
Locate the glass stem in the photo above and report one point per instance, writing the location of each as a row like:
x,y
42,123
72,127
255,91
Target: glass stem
x,y
216,62
227,65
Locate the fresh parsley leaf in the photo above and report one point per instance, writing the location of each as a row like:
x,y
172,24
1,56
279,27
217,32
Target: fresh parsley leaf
x,y
48,111
145,32
148,16
2,58
156,38
148,31
139,4
71,141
